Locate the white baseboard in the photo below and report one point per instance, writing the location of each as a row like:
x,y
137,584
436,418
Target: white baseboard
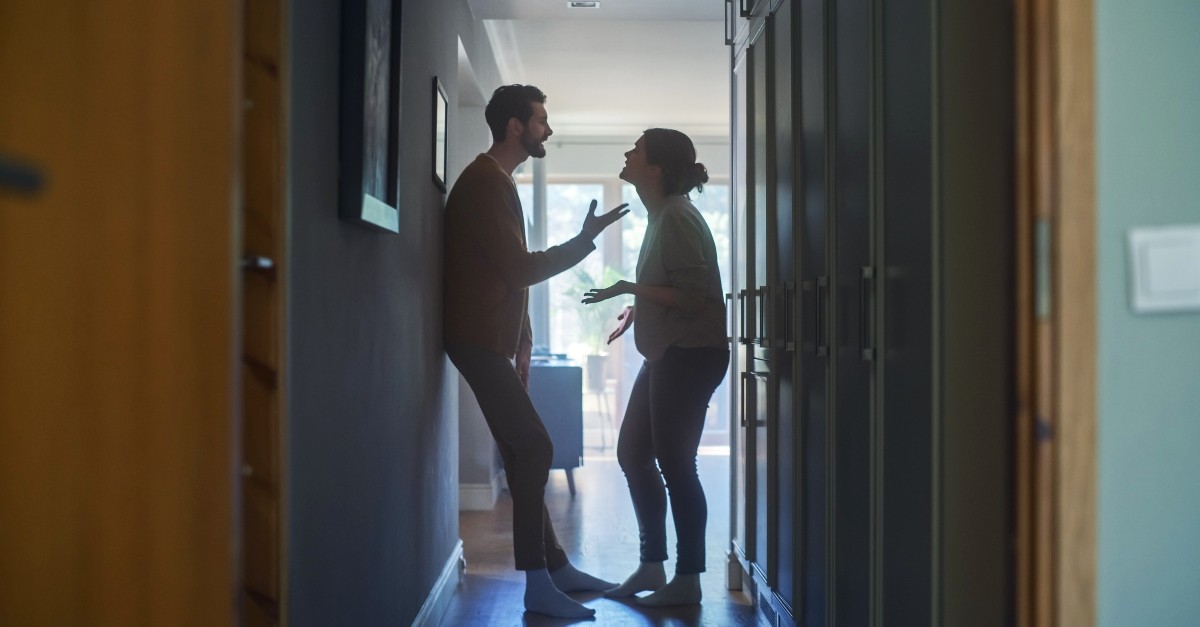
x,y
476,497
473,497
438,601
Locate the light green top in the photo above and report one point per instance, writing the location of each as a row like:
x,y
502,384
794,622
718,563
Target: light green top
x,y
678,251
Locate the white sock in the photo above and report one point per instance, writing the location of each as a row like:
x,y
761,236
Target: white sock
x,y
542,597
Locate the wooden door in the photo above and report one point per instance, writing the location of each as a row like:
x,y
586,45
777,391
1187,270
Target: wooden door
x,y
263,229
118,322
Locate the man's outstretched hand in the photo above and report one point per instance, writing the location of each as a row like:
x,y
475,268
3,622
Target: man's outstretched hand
x,y
593,224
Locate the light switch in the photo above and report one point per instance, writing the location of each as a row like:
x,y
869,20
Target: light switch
x,y
1165,268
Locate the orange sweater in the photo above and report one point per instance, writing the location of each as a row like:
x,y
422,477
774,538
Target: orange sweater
x,y
488,266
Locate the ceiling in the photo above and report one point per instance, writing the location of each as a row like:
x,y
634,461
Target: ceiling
x,y
620,68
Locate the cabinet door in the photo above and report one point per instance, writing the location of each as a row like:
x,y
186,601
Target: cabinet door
x,y
854,287
741,501
908,569
812,253
782,242
760,424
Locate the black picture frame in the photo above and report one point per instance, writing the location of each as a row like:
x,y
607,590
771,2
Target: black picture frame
x,y
441,108
368,133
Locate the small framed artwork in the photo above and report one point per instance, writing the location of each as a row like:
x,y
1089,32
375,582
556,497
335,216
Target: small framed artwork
x,y
440,122
368,142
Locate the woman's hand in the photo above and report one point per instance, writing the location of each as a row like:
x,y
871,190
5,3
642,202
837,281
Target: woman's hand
x,y
626,318
616,289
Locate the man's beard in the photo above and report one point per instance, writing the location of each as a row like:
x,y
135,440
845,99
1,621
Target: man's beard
x,y
533,145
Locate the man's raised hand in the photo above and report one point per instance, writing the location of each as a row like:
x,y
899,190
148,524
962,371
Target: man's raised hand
x,y
593,224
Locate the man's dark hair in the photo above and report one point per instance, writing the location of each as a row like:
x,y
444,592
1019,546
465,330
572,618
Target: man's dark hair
x,y
508,102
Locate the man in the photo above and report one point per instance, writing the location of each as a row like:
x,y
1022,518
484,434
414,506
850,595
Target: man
x,y
487,334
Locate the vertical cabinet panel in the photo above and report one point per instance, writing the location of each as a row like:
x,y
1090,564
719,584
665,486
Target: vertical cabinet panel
x,y
759,205
813,310
740,195
852,294
782,241
908,502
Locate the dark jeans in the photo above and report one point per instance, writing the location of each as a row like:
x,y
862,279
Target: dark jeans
x,y
525,448
663,422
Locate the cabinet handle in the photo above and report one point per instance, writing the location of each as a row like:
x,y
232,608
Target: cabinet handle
x,y
820,318
729,317
742,317
750,381
866,319
729,21
743,408
764,318
789,316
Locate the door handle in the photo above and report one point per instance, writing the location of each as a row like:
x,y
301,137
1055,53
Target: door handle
x,y
20,177
866,303
742,318
820,318
258,263
789,316
750,380
764,317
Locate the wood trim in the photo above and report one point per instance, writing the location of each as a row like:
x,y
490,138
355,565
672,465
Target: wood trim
x,y
1075,313
1056,353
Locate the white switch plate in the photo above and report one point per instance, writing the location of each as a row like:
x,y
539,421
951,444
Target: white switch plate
x,y
1165,268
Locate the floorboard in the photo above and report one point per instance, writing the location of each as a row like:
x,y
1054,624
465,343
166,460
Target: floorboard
x,y
599,532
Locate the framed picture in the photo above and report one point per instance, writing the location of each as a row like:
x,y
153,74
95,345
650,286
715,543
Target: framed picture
x,y
439,133
368,142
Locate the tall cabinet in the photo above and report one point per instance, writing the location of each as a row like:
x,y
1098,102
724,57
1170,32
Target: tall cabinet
x,y
873,210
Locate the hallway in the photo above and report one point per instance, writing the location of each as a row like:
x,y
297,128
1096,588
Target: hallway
x,y
599,532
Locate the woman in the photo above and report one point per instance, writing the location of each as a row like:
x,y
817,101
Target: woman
x,y
681,334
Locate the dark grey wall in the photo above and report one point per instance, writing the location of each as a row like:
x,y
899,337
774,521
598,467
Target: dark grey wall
x,y
975,246
371,446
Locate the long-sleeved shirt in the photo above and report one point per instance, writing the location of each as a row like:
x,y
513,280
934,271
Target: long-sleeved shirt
x,y
488,266
678,251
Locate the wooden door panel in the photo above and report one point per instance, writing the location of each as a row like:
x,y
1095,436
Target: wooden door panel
x,y
263,252
260,307
260,430
263,156
261,517
117,314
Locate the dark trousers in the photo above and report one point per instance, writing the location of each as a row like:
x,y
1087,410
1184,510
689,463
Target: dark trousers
x,y
663,423
525,448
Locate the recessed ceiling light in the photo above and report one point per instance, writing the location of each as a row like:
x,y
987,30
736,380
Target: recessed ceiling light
x,y
578,4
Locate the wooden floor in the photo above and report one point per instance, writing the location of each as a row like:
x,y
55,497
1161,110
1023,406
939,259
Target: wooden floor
x,y
599,532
